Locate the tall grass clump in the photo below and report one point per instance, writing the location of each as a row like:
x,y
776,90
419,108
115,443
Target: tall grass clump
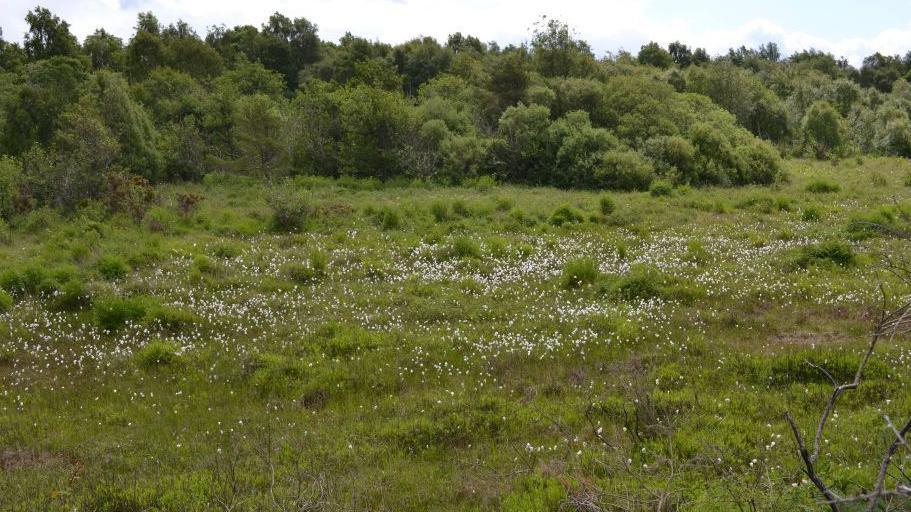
x,y
823,187
607,205
832,252
580,272
113,313
566,215
6,302
157,354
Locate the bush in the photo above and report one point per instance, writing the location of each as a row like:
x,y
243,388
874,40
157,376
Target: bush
x,y
566,215
624,170
113,313
6,302
157,353
661,188
580,272
606,205
112,268
291,210
823,187
829,252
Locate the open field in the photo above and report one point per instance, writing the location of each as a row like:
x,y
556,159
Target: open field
x,y
417,347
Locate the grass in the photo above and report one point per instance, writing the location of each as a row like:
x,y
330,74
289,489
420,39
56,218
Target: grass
x,y
487,347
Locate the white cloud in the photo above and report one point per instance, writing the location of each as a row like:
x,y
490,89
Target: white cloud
x,y
608,25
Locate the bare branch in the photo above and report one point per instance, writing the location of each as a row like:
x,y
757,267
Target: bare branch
x,y
810,470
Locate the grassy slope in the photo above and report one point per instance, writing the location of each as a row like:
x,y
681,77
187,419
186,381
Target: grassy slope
x,y
441,364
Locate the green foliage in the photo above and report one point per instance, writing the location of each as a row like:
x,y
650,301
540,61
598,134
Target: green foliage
x,y
157,354
580,272
661,188
535,494
829,252
464,248
291,210
606,205
566,215
824,130
112,313
112,268
6,302
823,187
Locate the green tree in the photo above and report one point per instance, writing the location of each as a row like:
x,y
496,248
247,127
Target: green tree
x,y
373,125
127,122
652,54
260,136
48,36
555,52
824,130
49,87
419,60
104,50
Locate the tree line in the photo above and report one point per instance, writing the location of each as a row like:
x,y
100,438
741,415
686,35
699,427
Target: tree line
x,y
276,100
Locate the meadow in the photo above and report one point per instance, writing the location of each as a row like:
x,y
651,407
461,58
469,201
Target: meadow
x,y
348,344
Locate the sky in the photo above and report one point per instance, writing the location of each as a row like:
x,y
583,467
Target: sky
x,y
846,28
